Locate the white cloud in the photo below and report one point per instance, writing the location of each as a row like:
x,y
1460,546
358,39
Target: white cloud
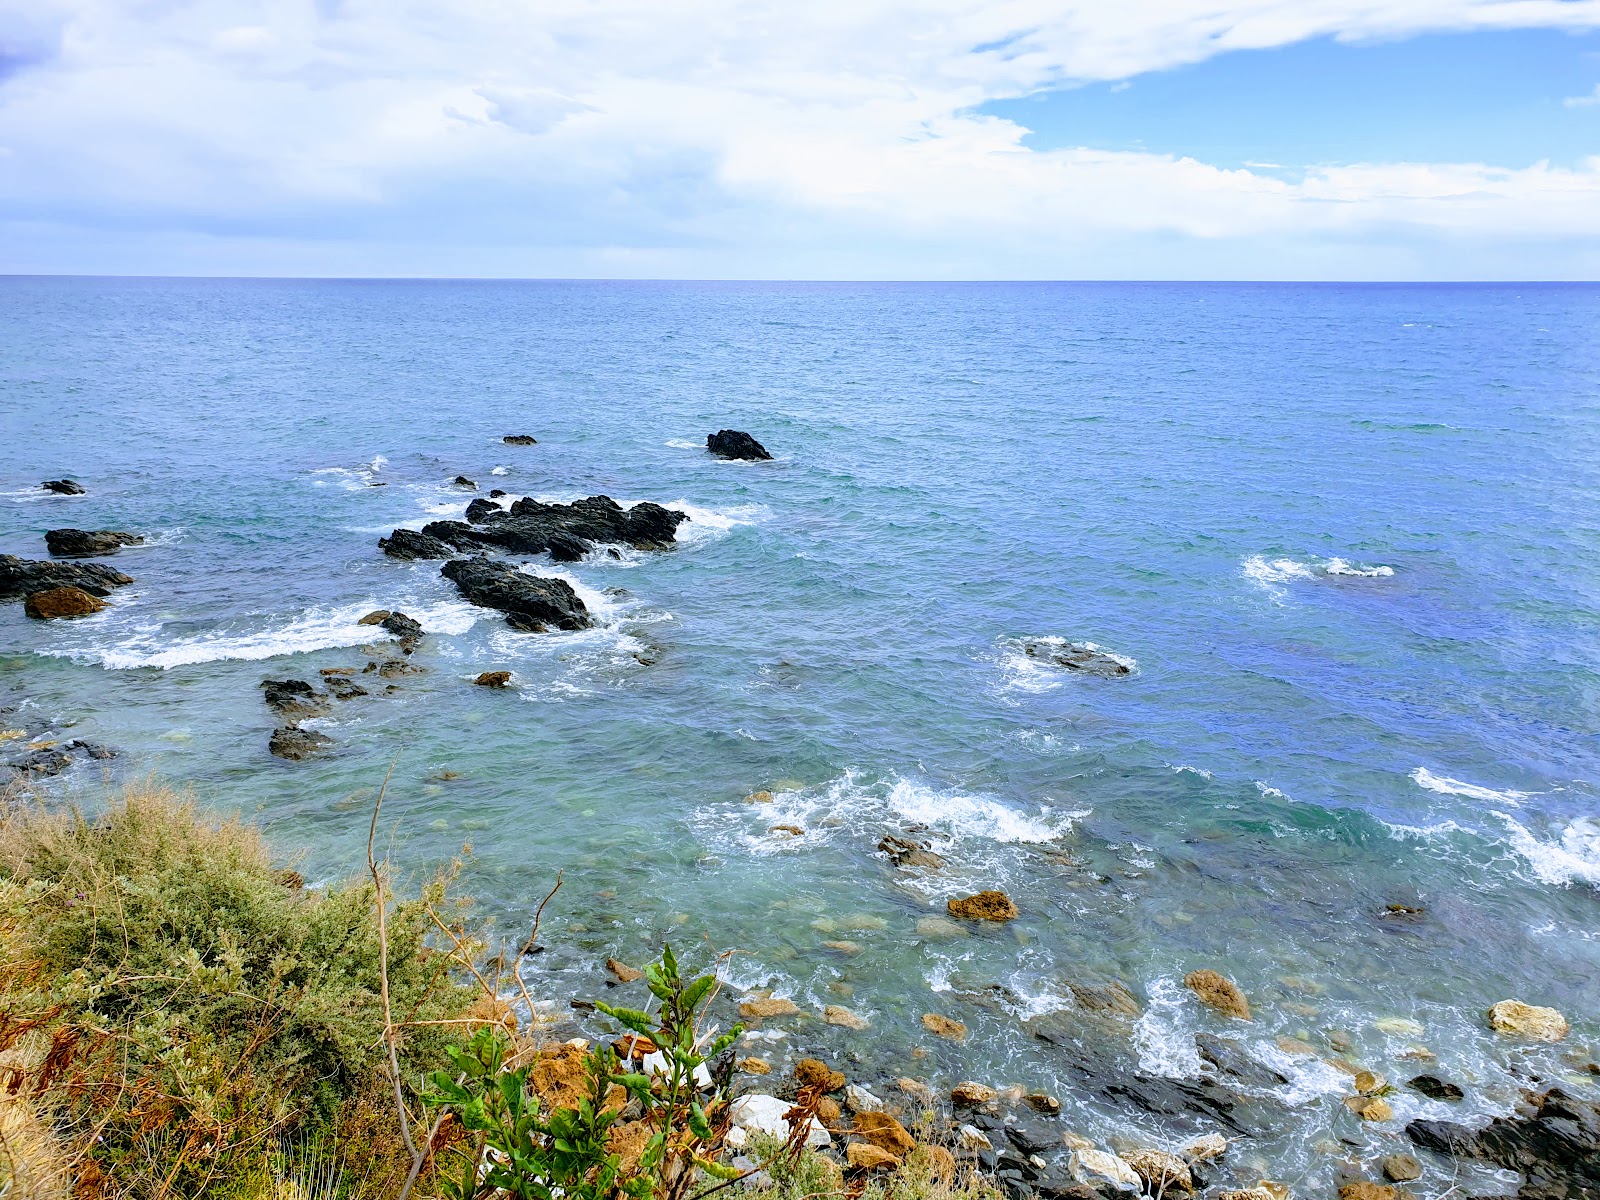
x,y
689,137
1593,98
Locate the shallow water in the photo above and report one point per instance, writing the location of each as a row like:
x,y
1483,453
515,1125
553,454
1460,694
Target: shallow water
x,y
1349,536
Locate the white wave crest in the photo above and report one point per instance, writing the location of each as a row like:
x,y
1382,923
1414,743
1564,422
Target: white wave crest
x,y
1574,857
1338,566
1276,574
959,816
1164,1033
684,444
1454,787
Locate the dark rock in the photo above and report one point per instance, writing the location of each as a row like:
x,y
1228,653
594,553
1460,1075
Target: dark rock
x,y
1109,998
904,852
43,763
92,749
481,510
410,545
567,547
493,679
463,481
529,526
494,494
61,602
1435,1088
519,439
20,576
393,668
293,743
64,487
531,603
730,443
1556,1148
406,629
293,697
343,689
1076,656
1032,1138
84,543
1232,1059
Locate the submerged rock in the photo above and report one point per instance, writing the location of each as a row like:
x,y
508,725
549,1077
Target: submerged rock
x,y
20,576
1084,657
64,487
519,439
1110,998
1516,1019
945,1027
531,603
406,629
1435,1088
991,905
1231,1058
731,443
85,543
293,743
1218,992
61,602
293,698
904,852
1556,1150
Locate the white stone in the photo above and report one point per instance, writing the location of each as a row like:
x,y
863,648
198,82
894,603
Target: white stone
x,y
764,1114
655,1063
1104,1165
970,1137
1205,1148
858,1100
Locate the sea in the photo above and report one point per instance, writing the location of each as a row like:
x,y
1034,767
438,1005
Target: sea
x,y
1345,537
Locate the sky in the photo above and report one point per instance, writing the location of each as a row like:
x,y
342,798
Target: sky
x,y
830,139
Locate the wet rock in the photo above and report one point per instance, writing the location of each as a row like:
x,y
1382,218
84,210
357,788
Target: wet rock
x,y
1400,1168
344,689
481,510
1162,1173
61,602
1370,1082
1294,1047
92,749
531,526
813,1072
753,1065
732,444
991,905
1555,1148
376,617
394,668
519,439
940,1026
1435,1088
406,629
493,679
843,947
20,577
770,1006
1369,1108
1043,1102
409,545
1111,998
41,763
1361,1189
863,1156
463,481
1206,1148
293,698
1516,1019
85,543
885,1132
1232,1059
64,487
1218,992
904,852
1033,1137
1076,656
939,928
293,743
972,1094
1089,1165
531,603
837,1014
568,547
623,972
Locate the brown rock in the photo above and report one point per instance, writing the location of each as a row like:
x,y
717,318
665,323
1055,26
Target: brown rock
x,y
493,679
1106,998
1219,993
944,1027
1400,1168
1295,1047
1162,1173
1369,1108
754,1066
761,797
623,972
1368,1082
1360,1189
865,1157
985,906
938,1162
884,1132
972,1094
837,1014
1043,1102
770,1006
376,617
812,1072
61,602
828,1112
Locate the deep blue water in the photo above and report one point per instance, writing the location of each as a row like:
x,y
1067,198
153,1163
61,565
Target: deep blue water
x,y
1349,534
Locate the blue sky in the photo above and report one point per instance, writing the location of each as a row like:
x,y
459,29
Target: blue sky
x,y
902,139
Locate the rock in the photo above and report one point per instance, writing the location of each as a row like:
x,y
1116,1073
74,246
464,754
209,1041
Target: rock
x,y
1075,1141
410,545
940,928
1082,657
730,443
1205,1148
61,602
344,689
519,439
1360,1189
1043,1102
1255,1193
1161,1172
92,749
1435,1088
376,617
837,1014
21,577
1399,1026
293,743
937,1162
41,763
905,853
568,547
1231,1058
972,1094
293,698
1101,1164
1110,998
1556,1148
944,1027
463,481
863,1156
762,797
1218,992
493,679
1369,1082
1400,1168
763,1007
991,905
1294,1047
813,1072
1516,1019
828,1112
64,487
407,630
1369,1108
532,527
481,510
970,1137
531,603
765,1114
623,972
394,668
844,947
1033,1137
884,1132
754,1066
916,1089
83,543
858,1100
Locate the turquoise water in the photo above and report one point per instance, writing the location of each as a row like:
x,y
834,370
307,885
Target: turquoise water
x,y
1349,535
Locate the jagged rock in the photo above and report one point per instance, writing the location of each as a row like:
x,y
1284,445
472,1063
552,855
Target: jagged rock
x,y
344,689
463,481
1162,1173
84,543
21,576
1110,998
623,972
64,487
1556,1149
410,545
904,852
972,1094
1231,1058
885,1132
92,749
1400,1168
731,443
406,629
762,1007
813,1072
61,602
1218,992
989,905
953,1031
481,510
493,679
293,698
1516,1019
530,526
1076,656
864,1156
1435,1088
293,743
376,617
531,603
41,763
519,439
1361,1189
568,547
837,1014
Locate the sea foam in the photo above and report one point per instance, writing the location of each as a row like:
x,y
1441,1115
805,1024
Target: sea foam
x,y
1454,787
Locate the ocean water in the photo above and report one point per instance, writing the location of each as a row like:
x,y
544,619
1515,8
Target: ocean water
x,y
1349,535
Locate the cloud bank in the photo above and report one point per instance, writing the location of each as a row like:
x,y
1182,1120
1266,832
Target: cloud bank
x,y
709,138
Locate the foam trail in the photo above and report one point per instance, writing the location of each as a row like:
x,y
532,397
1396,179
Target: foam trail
x,y
962,816
1338,566
1454,787
1574,858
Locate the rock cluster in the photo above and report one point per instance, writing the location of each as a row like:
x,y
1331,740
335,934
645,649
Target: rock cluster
x,y
1556,1149
20,577
566,531
519,439
1076,656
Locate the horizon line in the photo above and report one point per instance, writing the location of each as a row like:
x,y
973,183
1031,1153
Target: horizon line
x,y
226,278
